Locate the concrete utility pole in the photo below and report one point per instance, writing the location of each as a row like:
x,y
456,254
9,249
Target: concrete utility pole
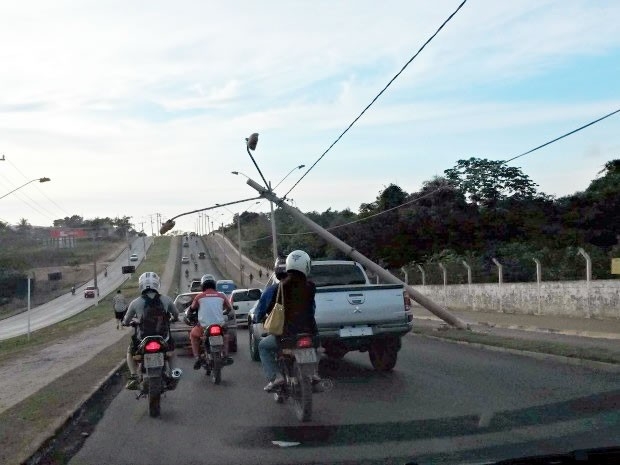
x,y
355,255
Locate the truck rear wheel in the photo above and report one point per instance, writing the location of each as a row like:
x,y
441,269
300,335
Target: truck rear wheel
x,y
383,354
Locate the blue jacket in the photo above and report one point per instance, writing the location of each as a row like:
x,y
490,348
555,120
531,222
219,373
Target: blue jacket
x,y
264,301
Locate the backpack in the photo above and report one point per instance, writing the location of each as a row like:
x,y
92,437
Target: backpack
x,y
154,319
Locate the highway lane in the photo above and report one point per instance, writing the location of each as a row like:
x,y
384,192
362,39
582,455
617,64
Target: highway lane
x,y
444,403
68,305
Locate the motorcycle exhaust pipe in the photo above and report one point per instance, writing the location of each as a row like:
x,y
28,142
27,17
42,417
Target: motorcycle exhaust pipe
x,y
176,373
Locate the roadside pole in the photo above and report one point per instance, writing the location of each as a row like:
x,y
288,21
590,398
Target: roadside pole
x,y
28,311
427,303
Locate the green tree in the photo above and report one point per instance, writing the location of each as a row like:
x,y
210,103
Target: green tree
x,y
486,182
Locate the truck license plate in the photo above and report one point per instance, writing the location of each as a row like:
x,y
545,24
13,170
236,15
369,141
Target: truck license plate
x,y
351,331
216,340
305,355
154,360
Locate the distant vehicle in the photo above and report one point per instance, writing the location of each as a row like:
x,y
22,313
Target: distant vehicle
x,y
180,329
195,285
242,301
90,292
225,286
201,255
185,244
133,257
185,260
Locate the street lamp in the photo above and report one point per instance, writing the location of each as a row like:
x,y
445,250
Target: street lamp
x,y
23,185
251,143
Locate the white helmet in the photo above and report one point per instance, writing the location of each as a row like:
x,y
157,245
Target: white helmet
x,y
149,281
298,260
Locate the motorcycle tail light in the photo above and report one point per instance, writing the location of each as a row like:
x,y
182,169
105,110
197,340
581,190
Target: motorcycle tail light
x,y
215,330
152,346
304,342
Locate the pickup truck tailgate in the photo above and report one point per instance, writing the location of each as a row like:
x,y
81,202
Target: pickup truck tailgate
x,y
338,306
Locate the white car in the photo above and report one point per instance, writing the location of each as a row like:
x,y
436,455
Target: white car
x,y
133,257
242,301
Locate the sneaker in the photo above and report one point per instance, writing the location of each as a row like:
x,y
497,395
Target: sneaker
x,y
197,364
279,381
133,383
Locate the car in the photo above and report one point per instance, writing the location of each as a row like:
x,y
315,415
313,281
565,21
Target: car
x,y
242,301
90,292
201,255
133,257
185,260
195,285
180,329
225,286
185,244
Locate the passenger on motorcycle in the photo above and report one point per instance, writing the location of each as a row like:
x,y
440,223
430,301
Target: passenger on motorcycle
x,y
212,308
149,285
297,296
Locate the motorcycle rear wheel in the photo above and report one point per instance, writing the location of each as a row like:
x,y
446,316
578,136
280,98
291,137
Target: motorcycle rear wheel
x,y
302,395
216,372
154,397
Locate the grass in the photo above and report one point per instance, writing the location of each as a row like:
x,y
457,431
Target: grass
x,y
24,422
92,316
546,347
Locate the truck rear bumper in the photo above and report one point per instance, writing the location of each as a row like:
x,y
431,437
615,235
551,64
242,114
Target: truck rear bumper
x,y
331,336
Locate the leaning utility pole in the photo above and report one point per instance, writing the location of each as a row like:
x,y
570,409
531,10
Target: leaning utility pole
x,y
358,257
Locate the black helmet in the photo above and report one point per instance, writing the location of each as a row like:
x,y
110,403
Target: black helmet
x,y
207,282
279,268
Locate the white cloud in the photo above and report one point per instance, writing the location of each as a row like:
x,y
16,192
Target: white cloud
x,y
144,107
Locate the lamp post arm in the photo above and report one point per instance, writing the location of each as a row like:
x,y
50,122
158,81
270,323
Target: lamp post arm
x,y
169,224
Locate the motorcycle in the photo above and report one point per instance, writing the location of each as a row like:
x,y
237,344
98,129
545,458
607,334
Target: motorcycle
x,y
195,266
297,361
153,370
72,290
213,352
187,273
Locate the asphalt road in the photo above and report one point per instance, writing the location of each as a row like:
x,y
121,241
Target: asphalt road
x,y
68,305
442,404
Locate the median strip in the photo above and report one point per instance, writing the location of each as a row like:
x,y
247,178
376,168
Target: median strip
x,y
563,351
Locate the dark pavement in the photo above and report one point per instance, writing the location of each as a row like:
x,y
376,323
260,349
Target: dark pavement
x,y
442,404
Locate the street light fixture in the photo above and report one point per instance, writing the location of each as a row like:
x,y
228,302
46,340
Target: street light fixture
x,y
23,185
251,143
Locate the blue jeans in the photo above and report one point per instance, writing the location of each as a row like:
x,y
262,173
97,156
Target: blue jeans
x,y
268,350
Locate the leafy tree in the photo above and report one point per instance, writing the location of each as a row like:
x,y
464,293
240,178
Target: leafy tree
x,y
486,182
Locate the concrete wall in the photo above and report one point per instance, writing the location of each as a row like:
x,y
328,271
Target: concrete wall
x,y
565,298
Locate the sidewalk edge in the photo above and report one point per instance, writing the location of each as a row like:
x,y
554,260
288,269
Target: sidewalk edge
x,y
46,441
593,364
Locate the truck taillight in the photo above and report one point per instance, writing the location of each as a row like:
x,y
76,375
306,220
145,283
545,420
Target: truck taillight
x,y
407,301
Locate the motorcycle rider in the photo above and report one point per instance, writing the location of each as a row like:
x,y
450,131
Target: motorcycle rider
x,y
149,285
212,308
297,296
186,273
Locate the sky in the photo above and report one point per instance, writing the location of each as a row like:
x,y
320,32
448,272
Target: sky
x,y
143,107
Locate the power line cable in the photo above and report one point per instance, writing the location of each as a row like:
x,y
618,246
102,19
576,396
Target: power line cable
x,y
445,187
31,204
564,135
377,97
39,189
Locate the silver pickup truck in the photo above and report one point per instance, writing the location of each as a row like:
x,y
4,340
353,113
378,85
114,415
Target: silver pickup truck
x,y
353,314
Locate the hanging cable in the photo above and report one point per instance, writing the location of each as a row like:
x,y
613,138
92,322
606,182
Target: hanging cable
x,y
376,97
